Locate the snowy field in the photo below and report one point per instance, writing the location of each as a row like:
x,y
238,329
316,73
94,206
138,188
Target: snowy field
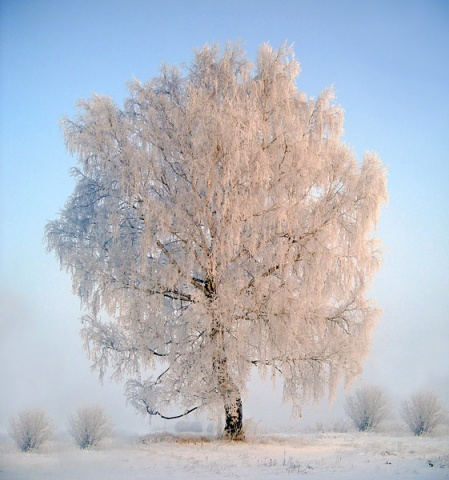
x,y
352,455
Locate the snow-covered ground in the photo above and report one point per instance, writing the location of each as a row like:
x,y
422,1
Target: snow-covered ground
x,y
315,455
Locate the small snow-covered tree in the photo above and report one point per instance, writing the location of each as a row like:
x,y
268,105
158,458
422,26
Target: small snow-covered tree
x,y
222,225
30,429
423,412
367,407
89,425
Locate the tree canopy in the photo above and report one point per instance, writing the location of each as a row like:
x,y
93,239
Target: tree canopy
x,y
220,224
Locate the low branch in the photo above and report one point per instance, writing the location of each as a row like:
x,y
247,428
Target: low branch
x,y
165,417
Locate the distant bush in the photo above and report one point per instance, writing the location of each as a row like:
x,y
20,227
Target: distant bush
x,y
423,412
89,425
30,429
367,407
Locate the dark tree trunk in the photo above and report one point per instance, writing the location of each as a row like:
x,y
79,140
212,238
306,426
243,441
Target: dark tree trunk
x,y
234,421
226,387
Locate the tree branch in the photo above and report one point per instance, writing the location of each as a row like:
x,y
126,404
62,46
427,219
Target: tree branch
x,y
191,280
266,273
165,417
267,363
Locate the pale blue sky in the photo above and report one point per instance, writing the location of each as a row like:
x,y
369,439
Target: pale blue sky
x,y
388,62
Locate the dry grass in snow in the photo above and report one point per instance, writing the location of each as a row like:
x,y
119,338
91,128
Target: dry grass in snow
x,y
319,456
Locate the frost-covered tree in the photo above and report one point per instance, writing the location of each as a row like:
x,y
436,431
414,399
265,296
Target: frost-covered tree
x,y
220,224
367,407
423,412
30,429
89,425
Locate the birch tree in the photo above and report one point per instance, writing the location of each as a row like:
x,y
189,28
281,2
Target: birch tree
x,y
218,225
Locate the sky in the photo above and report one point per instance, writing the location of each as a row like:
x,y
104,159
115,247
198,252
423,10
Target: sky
x,y
388,64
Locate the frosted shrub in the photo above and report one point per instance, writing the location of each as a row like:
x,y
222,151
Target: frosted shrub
x,y
367,407
89,425
30,429
423,412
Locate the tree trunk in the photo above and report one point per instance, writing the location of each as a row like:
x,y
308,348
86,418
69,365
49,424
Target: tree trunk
x,y
232,405
234,420
226,387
